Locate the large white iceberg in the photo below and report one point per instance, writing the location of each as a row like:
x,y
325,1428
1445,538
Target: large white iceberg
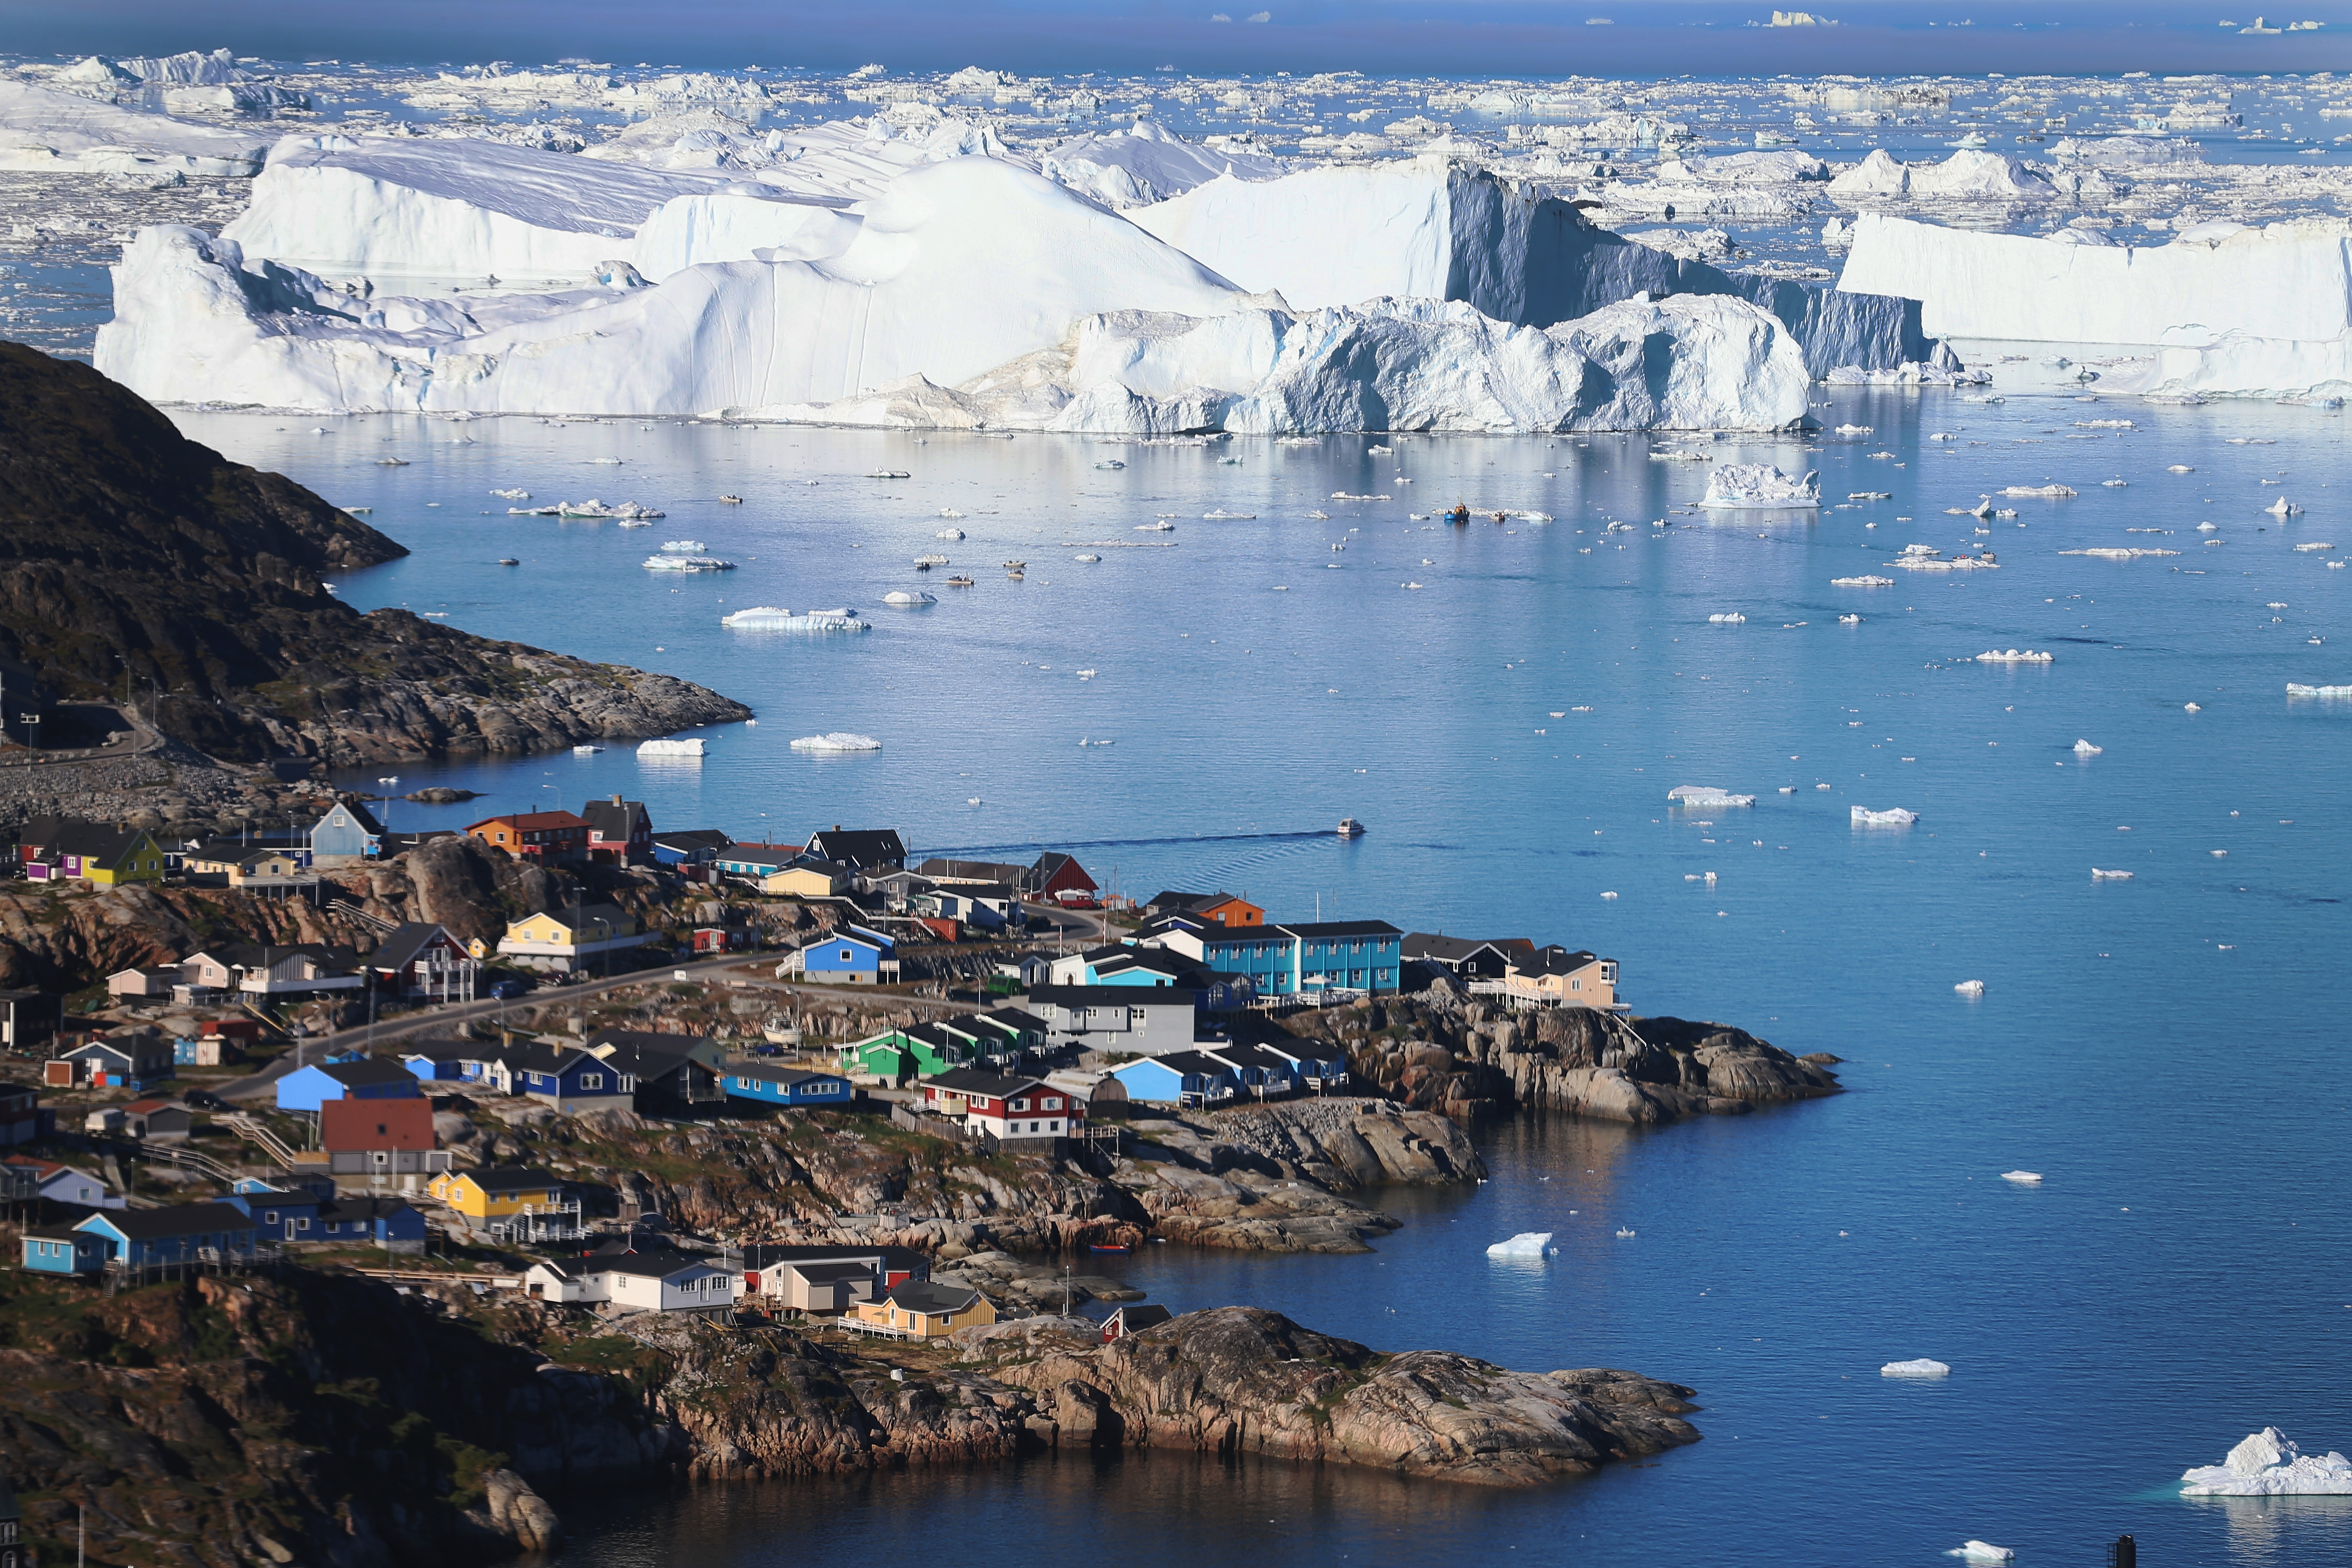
x,y
1747,485
44,130
1144,165
2289,280
1894,816
1707,796
1967,173
1527,1244
2267,1464
837,740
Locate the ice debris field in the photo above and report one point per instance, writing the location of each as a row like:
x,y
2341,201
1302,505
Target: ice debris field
x,y
1164,253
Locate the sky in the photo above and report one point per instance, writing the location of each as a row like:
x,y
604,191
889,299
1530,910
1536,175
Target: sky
x,y
1466,37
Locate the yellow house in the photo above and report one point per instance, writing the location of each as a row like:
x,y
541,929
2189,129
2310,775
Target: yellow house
x,y
490,1195
560,938
809,879
109,856
1559,978
923,1311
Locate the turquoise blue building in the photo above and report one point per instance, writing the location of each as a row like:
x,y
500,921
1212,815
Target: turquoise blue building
x,y
369,1077
176,1233
783,1086
1312,959
1178,1077
850,954
53,1249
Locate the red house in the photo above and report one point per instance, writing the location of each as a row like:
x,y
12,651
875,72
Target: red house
x,y
619,831
1004,1106
419,959
1058,879
550,837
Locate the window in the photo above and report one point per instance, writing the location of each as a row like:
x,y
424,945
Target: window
x,y
844,955
303,1222
591,1080
270,1218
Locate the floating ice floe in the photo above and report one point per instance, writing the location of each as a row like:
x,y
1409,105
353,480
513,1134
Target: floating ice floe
x,y
904,597
684,547
670,748
1222,515
836,741
2025,1178
2132,553
1706,796
1981,1552
1726,618
1527,1244
511,495
770,618
2313,546
1849,620
2014,656
1759,487
1871,581
2297,688
1970,988
1922,1367
1894,816
949,533
2099,876
687,564
2085,749
2268,1465
2283,508
2047,492
1624,1233
590,508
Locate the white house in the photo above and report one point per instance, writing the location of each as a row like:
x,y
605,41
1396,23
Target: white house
x,y
638,1282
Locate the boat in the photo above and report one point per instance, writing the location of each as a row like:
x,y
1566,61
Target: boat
x,y
509,561
1459,516
730,501
1108,1246
960,580
670,748
1350,829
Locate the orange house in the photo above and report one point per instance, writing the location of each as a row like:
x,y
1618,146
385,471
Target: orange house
x,y
550,838
1230,912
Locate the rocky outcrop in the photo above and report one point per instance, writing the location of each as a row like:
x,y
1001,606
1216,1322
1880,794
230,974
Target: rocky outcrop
x,y
1349,1143
1439,1048
135,562
1240,1380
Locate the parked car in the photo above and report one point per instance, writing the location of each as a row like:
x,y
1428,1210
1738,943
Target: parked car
x,y
204,1099
506,990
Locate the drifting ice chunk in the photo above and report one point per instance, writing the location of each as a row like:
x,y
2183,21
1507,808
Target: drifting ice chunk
x,y
1981,1552
2097,874
1729,618
2283,508
1970,988
2027,1177
1861,582
836,741
2295,688
2051,492
1707,796
2014,657
2133,553
769,618
1759,486
2268,1465
1527,1244
670,748
1894,816
1920,1368
2085,749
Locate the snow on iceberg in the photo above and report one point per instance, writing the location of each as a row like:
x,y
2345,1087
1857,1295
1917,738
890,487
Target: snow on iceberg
x,y
957,267
2267,1464
1527,1244
1966,174
1894,816
1920,1368
2255,301
43,130
1759,485
1981,1552
1707,796
1145,163
836,741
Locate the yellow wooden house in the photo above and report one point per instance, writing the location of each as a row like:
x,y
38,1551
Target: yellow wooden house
x,y
921,1309
489,1195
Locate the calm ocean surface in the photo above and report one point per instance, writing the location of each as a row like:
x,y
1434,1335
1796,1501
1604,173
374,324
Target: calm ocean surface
x,y
2167,1050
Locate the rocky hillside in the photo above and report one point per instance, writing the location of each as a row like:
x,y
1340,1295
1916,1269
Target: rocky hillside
x,y
133,561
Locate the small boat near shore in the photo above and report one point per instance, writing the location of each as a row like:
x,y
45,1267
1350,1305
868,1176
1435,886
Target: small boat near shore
x,y
1350,829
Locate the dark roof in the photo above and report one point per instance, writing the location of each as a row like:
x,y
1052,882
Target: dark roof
x,y
510,1179
761,1255
1455,948
1052,863
826,1273
971,870
613,818
689,839
1015,1019
174,1220
1552,959
985,1085
1108,996
360,813
95,841
1168,902
642,1053
369,1070
1339,928
865,848
1158,959
1189,1064
400,948
658,1263
922,1296
254,955
356,1208
781,853
530,821
819,864
1137,1315
1246,1056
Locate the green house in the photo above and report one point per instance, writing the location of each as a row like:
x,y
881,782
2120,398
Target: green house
x,y
920,1050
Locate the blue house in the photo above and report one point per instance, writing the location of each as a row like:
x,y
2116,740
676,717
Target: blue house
x,y
177,1233
1311,959
565,1077
348,832
691,850
1260,1072
52,1250
369,1078
847,956
279,1214
1315,1065
783,1086
383,1221
1178,1077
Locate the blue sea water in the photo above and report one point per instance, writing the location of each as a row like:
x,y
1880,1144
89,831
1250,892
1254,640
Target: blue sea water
x,y
2164,1049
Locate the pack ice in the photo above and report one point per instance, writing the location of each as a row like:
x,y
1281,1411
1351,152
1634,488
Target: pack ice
x,y
2267,1464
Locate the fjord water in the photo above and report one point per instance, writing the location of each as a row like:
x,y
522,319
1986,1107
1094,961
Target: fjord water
x,y
2166,1050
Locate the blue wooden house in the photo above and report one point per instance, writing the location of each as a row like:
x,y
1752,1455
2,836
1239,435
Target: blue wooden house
x,y
52,1250
348,832
176,1233
1178,1077
384,1221
847,956
783,1086
369,1077
279,1214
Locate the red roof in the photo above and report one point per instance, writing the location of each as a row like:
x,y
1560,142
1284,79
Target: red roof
x,y
141,1107
346,1125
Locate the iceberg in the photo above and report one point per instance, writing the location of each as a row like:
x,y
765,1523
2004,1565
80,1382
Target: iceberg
x,y
1894,817
1726,618
836,741
687,564
1966,174
2252,302
2297,688
1742,485
2085,749
1861,582
2048,492
670,748
2267,1464
1707,796
1145,163
1920,1368
45,132
2099,876
769,619
1971,987
2025,1178
1981,1552
2111,554
1527,1244
2014,656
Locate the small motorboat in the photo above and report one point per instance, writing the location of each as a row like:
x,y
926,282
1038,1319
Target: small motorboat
x,y
959,582
1460,515
1109,1247
1350,829
730,501
509,561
